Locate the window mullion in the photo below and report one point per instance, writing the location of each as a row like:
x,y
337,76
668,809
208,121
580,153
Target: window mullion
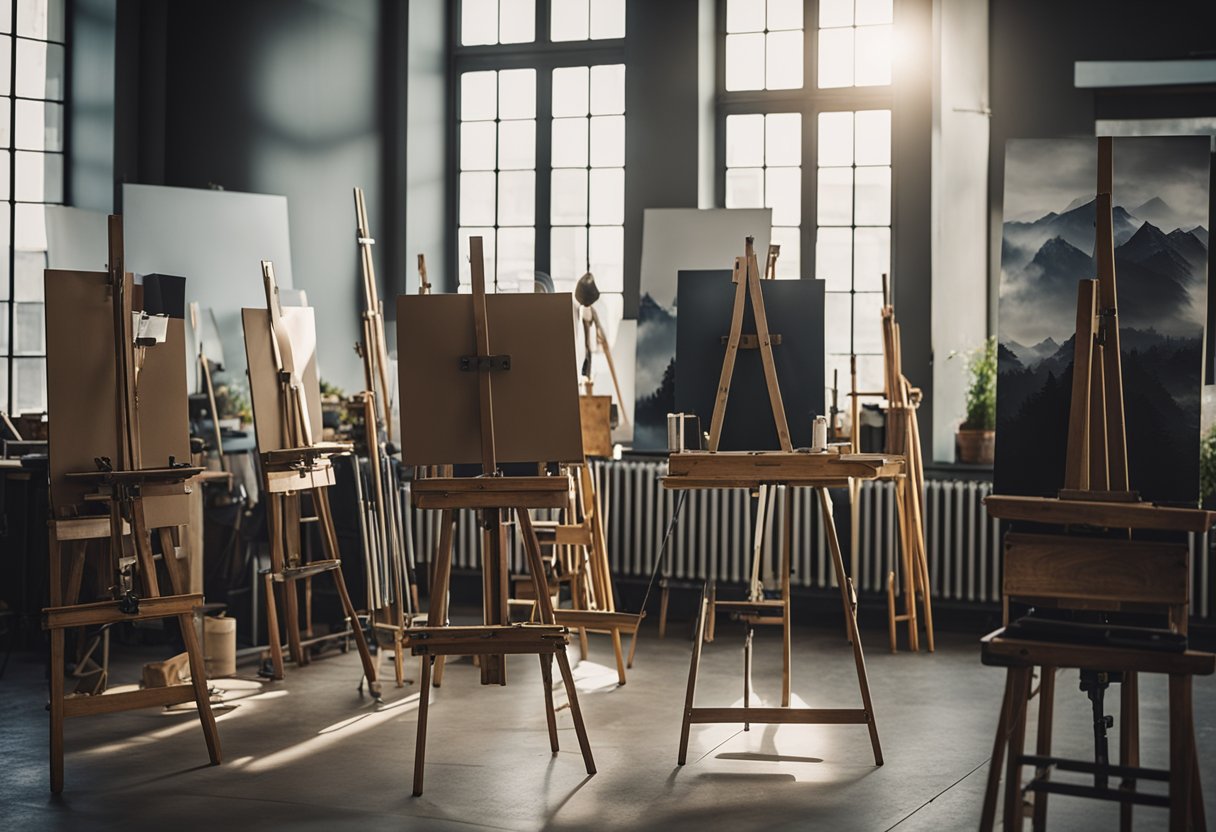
x,y
544,169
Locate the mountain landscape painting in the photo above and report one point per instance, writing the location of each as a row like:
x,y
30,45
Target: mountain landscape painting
x,y
1161,224
675,239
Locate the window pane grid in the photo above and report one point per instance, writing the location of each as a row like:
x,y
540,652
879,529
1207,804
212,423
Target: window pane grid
x,y
854,43
764,170
496,184
31,176
574,20
853,237
764,44
587,180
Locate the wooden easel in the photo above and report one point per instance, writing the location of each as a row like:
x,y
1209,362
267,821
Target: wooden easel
x,y
756,609
292,464
384,542
903,438
753,470
134,494
1096,494
495,498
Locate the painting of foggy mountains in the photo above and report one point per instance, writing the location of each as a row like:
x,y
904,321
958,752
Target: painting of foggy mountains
x,y
1161,227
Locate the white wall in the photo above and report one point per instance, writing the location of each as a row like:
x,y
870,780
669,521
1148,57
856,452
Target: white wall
x,y
959,206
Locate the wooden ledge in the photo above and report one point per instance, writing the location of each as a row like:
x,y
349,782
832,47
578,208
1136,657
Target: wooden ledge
x,y
747,469
491,492
1113,515
141,476
626,622
306,570
1004,652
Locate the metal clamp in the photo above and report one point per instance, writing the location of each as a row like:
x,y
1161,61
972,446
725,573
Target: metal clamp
x,y
477,363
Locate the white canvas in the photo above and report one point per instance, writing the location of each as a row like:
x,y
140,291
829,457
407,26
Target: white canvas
x,y
216,240
675,239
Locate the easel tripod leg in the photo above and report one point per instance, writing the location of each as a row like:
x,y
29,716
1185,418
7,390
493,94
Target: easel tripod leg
x,y
1129,740
369,667
747,673
850,615
1047,696
56,671
546,676
424,701
988,812
1017,742
202,696
580,730
274,637
787,557
693,667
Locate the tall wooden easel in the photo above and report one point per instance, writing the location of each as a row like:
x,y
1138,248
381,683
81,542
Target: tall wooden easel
x,y
787,468
389,601
903,438
286,419
1096,495
495,498
80,305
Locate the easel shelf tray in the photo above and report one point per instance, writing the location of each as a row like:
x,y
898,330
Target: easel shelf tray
x,y
490,492
739,469
1113,515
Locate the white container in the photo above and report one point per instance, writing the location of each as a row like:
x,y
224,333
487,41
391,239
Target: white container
x,y
219,646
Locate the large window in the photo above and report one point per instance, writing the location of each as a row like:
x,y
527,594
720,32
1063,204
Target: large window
x,y
31,176
540,100
804,103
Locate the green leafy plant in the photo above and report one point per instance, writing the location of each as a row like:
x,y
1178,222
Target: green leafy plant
x,y
981,395
232,403
1207,464
331,391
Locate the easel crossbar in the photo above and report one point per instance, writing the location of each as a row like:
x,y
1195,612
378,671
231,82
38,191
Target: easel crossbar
x,y
130,700
107,612
782,716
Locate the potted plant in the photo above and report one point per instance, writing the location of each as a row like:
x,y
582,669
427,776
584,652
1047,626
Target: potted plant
x,y
976,438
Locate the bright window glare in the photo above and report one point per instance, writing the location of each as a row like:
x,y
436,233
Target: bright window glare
x,y
745,62
569,20
478,22
835,58
517,21
871,12
744,16
873,56
607,19
783,61
835,13
784,14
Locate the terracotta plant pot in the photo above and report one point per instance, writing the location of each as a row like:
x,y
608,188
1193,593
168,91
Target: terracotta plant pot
x,y
976,447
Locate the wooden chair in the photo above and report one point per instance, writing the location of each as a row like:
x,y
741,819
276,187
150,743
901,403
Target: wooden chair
x,y
1098,574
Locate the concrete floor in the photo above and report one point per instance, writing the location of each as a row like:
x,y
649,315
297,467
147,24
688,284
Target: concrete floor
x,y
309,753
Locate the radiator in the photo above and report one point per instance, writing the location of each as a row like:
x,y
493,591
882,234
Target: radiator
x,y
713,538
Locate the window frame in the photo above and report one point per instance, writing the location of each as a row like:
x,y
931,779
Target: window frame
x,y
809,101
10,356
543,55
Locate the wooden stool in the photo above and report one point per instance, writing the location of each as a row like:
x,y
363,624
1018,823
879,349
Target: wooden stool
x,y
1102,574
